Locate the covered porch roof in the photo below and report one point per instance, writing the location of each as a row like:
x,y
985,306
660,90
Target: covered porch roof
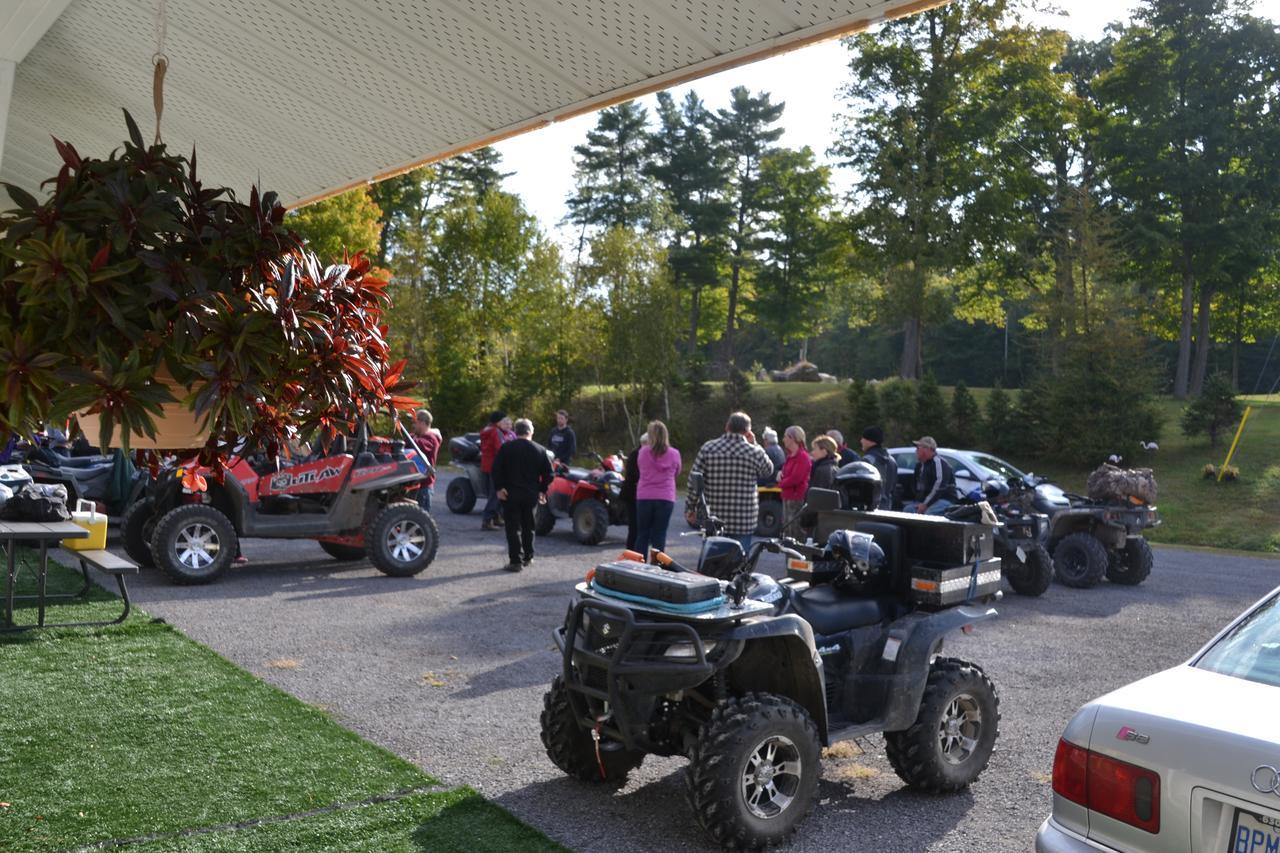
x,y
311,97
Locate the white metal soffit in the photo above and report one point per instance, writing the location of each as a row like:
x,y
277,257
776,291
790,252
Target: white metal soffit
x,y
310,97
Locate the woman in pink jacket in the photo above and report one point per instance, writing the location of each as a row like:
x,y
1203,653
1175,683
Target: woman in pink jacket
x,y
659,465
794,481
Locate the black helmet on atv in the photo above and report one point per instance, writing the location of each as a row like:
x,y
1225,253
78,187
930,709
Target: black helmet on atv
x,y
859,550
995,490
859,485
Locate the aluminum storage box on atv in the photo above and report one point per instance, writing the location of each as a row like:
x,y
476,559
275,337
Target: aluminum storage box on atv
x,y
944,586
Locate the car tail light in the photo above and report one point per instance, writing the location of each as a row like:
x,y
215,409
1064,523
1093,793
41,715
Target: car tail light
x,y
1117,789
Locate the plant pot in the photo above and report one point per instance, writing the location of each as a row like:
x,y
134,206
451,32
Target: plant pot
x,y
177,429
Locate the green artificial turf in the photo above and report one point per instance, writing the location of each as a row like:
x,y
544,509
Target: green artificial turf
x,y
135,730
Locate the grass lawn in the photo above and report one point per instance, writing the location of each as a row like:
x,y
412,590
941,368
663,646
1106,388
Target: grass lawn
x,y
136,731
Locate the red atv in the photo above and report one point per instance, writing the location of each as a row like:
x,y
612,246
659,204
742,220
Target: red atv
x,y
593,499
354,504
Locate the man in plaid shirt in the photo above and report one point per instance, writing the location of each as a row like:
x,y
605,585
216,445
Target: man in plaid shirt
x,y
731,465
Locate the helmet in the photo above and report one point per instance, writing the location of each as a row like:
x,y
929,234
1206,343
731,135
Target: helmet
x,y
859,485
859,549
995,490
721,556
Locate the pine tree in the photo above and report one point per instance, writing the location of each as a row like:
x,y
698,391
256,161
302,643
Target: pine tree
x,y
1215,409
965,416
898,408
474,173
930,412
692,169
612,189
998,419
745,129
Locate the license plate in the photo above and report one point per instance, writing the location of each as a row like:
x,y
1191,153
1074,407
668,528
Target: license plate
x,y
1254,833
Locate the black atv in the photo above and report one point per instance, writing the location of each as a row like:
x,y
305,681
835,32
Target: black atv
x,y
749,677
1020,533
463,491
1094,539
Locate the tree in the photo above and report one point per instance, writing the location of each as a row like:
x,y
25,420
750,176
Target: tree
x,y
406,202
798,243
1215,409
930,412
997,420
474,173
339,226
898,408
692,169
744,128
1190,136
611,188
965,416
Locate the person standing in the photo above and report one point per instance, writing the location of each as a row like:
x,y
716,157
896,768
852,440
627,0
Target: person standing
x,y
427,440
659,465
521,474
844,454
562,441
776,455
490,444
826,459
731,465
794,481
873,451
935,480
631,479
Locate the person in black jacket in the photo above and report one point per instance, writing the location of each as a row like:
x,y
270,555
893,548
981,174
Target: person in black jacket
x,y
630,480
562,440
873,452
521,474
935,481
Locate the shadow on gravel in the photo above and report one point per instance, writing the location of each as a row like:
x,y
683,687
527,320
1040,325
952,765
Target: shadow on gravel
x,y
535,670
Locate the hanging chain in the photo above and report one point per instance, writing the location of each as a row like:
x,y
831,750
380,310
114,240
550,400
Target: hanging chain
x,y
160,61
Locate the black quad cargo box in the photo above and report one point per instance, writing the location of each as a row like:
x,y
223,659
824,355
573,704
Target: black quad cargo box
x,y
926,538
465,448
632,578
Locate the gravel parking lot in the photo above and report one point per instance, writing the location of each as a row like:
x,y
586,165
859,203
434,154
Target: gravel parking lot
x,y
448,669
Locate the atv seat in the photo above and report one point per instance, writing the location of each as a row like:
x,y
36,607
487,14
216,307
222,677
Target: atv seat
x,y
576,474
830,611
365,460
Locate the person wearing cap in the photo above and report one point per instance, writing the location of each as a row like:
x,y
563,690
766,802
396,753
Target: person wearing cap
x,y
874,453
844,453
935,481
778,456
491,440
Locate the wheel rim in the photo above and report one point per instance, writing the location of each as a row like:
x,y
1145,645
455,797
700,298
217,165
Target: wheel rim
x,y
406,540
960,729
197,546
1074,562
771,777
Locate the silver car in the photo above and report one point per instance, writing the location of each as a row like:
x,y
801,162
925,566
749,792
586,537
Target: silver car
x,y
973,468
1185,760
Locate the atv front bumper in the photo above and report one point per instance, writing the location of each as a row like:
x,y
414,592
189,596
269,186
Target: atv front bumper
x,y
617,665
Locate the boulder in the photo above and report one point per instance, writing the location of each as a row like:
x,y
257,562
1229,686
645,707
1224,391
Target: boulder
x,y
828,378
802,371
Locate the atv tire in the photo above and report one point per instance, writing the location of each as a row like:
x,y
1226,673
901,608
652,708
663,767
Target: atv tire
x,y
1032,577
193,544
1132,564
955,731
544,520
401,540
769,518
345,553
753,772
571,748
459,496
136,526
590,521
1080,560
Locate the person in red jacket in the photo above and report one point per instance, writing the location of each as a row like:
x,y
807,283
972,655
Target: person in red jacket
x,y
491,438
427,439
794,481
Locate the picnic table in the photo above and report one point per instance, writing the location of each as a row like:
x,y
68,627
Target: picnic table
x,y
49,534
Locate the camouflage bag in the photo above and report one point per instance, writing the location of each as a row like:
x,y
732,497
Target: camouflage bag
x,y
1127,485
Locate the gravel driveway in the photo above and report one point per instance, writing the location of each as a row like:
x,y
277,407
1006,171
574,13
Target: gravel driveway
x,y
448,669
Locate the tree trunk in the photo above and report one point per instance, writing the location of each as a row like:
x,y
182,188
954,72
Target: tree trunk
x,y
1061,320
695,316
1235,344
1183,372
1204,342
909,367
731,320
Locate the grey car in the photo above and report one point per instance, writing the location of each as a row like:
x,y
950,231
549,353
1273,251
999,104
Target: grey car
x,y
973,468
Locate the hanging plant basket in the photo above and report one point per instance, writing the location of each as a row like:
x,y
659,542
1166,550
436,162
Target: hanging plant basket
x,y
175,315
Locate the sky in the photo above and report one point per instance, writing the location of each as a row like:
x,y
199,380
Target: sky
x,y
807,80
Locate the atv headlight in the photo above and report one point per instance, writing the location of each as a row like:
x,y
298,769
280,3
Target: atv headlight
x,y
687,651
